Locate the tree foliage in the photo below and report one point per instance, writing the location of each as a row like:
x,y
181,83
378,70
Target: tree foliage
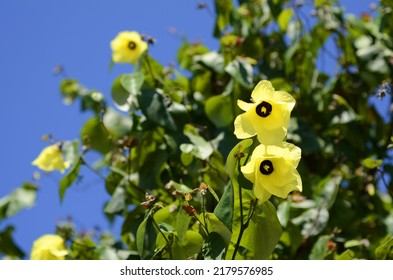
x,y
170,161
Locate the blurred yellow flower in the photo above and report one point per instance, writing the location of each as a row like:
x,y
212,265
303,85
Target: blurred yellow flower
x,y
268,115
51,159
127,47
272,169
49,247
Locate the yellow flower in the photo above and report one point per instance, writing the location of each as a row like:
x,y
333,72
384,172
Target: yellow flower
x,y
268,115
48,247
51,159
272,169
127,47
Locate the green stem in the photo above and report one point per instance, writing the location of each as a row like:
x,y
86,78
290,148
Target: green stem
x,y
202,224
163,235
239,238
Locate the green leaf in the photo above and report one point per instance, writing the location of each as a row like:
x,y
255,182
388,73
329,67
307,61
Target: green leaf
x,y
212,60
313,221
191,246
241,71
214,247
346,255
320,249
95,136
223,10
371,163
214,224
224,208
202,148
112,181
150,171
153,107
239,152
70,89
7,244
118,125
125,89
84,248
140,236
326,191
385,250
262,234
219,109
21,198
70,151
69,178
284,18
117,202
182,223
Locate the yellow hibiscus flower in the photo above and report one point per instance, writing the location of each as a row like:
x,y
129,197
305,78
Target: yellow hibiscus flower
x,y
49,247
268,115
272,169
127,47
51,159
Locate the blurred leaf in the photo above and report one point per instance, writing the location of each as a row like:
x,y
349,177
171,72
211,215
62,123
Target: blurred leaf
x,y
223,10
124,90
219,110
120,95
202,148
70,89
21,198
313,221
70,151
188,51
117,202
95,136
69,178
84,248
118,125
346,255
371,163
150,171
241,71
7,244
385,250
320,249
284,18
326,191
212,60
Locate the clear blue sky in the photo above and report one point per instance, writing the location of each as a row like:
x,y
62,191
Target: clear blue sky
x,y
35,37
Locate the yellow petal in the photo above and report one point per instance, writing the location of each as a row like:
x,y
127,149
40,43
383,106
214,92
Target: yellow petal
x,y
244,105
48,247
286,98
248,170
51,159
263,90
282,161
244,127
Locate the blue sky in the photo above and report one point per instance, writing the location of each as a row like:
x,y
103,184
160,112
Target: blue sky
x,y
38,35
